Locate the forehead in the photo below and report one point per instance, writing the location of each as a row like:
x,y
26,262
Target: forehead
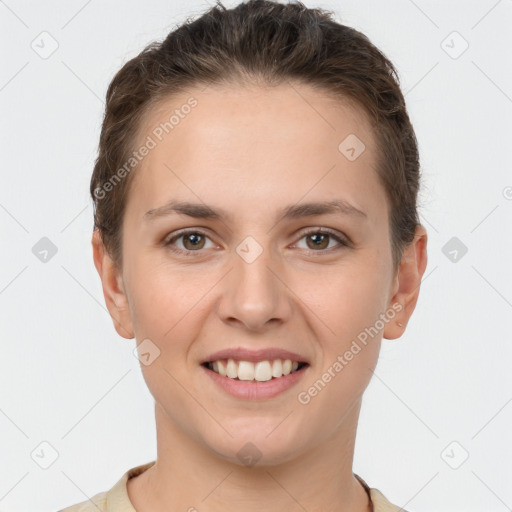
x,y
260,143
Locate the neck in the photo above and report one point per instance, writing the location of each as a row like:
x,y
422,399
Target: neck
x,y
188,476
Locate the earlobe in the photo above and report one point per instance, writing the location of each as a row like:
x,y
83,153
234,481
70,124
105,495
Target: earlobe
x,y
407,283
113,288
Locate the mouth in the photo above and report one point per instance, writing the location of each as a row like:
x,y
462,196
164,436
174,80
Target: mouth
x,y
248,371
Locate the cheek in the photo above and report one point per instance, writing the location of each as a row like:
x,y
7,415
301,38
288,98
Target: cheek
x,y
348,301
357,305
349,347
345,299
167,301
169,308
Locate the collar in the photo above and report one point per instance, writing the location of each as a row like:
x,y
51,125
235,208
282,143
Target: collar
x,y
117,499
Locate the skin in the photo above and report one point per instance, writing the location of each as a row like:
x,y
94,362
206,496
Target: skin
x,y
252,152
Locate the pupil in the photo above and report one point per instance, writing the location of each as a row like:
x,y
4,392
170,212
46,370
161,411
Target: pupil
x,y
193,239
319,239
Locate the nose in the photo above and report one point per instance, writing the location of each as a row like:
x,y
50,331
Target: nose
x,y
253,294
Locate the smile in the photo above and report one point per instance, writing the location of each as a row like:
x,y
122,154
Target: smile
x,y
254,380
261,371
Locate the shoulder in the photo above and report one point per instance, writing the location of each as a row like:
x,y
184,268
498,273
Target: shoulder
x,y
115,499
379,502
382,504
97,503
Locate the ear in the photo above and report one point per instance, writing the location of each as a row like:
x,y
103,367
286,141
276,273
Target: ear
x,y
113,288
406,284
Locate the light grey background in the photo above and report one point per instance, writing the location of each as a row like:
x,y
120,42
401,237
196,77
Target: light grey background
x,y
441,392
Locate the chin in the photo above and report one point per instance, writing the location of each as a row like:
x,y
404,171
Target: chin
x,y
258,446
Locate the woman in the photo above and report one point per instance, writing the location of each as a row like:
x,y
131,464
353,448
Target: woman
x,y
256,232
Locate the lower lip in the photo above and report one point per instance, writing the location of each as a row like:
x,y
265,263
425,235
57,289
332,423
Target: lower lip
x,y
254,390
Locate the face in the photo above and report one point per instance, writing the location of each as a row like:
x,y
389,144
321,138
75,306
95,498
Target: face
x,y
263,272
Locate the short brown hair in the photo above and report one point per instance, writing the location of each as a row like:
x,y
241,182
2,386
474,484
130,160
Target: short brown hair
x,y
261,42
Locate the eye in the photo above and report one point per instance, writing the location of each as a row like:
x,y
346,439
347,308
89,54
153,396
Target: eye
x,y
193,241
317,240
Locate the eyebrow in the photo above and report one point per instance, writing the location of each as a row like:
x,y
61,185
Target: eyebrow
x,y
296,211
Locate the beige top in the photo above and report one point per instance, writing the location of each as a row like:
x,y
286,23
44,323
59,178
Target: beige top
x,y
117,500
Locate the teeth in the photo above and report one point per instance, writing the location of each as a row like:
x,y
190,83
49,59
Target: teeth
x,y
245,370
277,368
260,371
231,369
221,367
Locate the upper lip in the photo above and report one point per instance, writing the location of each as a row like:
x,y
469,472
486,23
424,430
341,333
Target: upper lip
x,y
245,354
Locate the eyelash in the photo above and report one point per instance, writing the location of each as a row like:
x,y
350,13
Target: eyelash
x,y
343,242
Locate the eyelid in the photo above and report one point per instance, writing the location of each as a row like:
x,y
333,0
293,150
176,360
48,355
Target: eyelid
x,y
168,241
343,241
